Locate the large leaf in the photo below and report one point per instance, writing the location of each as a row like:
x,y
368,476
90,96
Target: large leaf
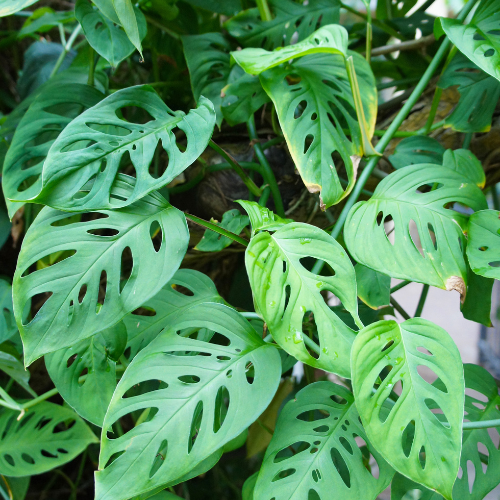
x,y
412,437
186,289
93,145
477,89
480,39
289,18
49,114
8,325
207,58
95,356
382,232
106,38
286,293
416,150
483,249
71,313
191,420
46,437
314,102
332,39
322,427
9,7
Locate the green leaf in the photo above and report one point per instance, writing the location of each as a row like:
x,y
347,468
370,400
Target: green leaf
x,y
416,221
314,102
10,365
286,293
186,289
107,39
402,485
72,311
107,8
5,224
46,437
233,221
191,420
43,20
129,20
42,124
12,6
95,142
417,150
289,18
389,10
14,488
465,163
477,304
261,218
96,356
479,40
227,7
321,425
331,39
207,57
249,487
472,112
412,437
8,325
374,288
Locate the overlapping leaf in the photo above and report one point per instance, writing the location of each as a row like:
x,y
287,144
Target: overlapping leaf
x,y
46,437
465,163
373,287
8,325
414,210
286,293
321,425
421,435
191,420
128,17
95,251
12,6
261,218
417,150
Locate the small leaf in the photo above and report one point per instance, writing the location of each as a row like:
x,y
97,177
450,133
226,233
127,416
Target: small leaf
x,y
321,425
289,297
289,18
477,304
261,218
412,437
46,437
8,325
465,163
417,150
12,6
15,370
72,313
191,420
374,288
128,19
331,39
483,250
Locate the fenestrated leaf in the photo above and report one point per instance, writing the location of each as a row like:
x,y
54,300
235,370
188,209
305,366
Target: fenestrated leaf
x,y
129,20
480,39
286,293
160,311
382,232
465,163
473,112
49,114
483,249
374,288
386,353
207,57
321,425
314,102
331,39
8,325
9,7
417,150
401,485
233,221
96,357
107,39
93,145
46,437
261,218
289,18
72,312
190,419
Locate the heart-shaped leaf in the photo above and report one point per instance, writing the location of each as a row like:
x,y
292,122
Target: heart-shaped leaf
x,y
331,39
96,358
288,18
374,288
289,297
39,128
95,142
94,270
186,289
465,163
421,435
316,448
417,150
411,228
483,250
8,325
207,394
46,437
315,103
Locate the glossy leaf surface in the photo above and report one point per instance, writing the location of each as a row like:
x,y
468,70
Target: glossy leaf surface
x,y
373,287
128,18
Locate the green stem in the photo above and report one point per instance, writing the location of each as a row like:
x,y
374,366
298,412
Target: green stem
x,y
249,183
65,50
467,140
272,142
421,302
39,399
92,61
170,32
368,36
266,172
494,195
250,315
397,287
485,424
216,229
8,399
265,196
264,10
399,309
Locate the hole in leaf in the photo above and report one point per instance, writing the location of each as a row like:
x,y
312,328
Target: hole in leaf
x,y
221,407
299,110
436,411
144,387
103,231
343,441
431,377
321,428
476,395
159,459
82,293
8,458
495,263
195,425
338,399
183,290
421,457
249,372
48,454
156,235
432,235
341,466
308,142
283,474
189,379
114,457
126,267
27,458
144,311
471,473
489,53
407,438
423,350
380,217
415,237
134,114
109,129
312,416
